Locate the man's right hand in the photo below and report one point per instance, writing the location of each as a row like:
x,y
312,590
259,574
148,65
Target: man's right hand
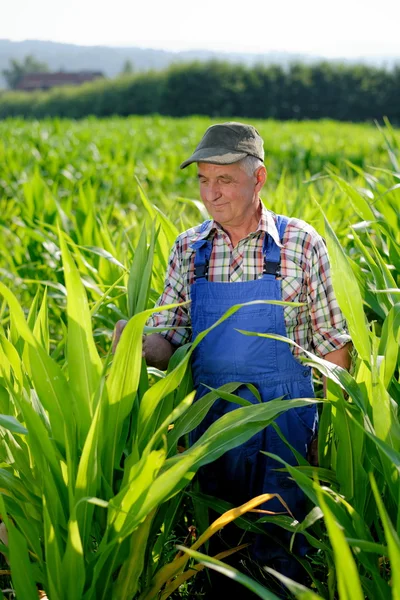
x,y
118,329
156,349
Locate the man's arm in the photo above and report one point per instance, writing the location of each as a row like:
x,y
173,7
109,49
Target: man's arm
x,y
158,348
330,337
341,357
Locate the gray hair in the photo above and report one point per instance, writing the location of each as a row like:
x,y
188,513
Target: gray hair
x,y
250,164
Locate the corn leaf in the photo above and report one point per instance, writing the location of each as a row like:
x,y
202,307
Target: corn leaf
x,y
348,294
232,573
392,539
22,572
84,364
349,584
11,424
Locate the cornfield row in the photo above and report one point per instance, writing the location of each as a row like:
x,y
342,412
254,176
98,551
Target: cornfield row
x,y
94,484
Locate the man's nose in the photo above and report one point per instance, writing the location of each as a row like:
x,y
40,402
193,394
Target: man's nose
x,y
214,192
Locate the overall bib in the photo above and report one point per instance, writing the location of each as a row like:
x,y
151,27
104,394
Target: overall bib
x,y
226,355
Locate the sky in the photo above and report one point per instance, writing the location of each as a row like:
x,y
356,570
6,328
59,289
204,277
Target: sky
x,y
342,28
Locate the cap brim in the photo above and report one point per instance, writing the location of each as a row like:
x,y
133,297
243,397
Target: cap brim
x,y
216,156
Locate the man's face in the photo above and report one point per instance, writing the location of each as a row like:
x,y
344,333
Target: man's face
x,y
229,194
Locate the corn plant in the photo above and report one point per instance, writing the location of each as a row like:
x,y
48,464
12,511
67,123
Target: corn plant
x,y
88,463
92,482
355,490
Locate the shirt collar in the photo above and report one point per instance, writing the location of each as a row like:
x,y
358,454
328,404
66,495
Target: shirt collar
x,y
267,223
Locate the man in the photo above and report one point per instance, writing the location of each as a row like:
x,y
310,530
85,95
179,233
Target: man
x,y
246,253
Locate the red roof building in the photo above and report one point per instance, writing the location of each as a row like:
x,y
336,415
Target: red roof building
x,y
45,81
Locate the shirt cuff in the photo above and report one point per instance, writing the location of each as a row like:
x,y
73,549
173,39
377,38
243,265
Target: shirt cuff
x,y
331,342
177,337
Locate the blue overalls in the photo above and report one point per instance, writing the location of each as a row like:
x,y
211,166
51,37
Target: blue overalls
x,y
225,356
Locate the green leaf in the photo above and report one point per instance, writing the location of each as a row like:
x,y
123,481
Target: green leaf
x,y
11,424
358,201
366,546
390,343
349,584
348,294
88,476
236,427
104,254
392,539
230,572
177,412
230,397
52,543
127,582
47,460
50,383
155,395
301,592
73,566
300,459
135,502
33,310
84,364
122,385
339,375
350,443
196,413
378,278
135,274
230,430
22,572
145,275
41,328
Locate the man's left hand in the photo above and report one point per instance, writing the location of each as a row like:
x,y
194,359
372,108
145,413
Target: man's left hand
x,y
312,454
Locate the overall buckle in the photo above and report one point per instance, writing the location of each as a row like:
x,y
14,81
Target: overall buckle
x,y
200,271
272,268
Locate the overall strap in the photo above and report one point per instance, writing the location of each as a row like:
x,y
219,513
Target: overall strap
x,y
203,249
272,252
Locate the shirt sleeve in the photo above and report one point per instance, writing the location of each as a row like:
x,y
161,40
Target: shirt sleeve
x,y
174,292
329,329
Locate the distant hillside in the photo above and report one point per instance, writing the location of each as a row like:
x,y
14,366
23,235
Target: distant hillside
x,y
70,57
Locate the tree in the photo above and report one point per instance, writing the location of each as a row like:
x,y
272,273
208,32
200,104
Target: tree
x,y
17,70
128,68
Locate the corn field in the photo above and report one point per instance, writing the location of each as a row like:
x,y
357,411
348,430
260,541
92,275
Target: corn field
x,y
98,494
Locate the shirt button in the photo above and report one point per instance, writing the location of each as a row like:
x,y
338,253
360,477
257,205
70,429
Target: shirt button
x,y
305,373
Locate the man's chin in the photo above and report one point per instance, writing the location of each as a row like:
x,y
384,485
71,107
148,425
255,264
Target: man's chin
x,y
222,215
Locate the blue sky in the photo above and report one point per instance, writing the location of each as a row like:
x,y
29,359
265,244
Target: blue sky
x,y
340,28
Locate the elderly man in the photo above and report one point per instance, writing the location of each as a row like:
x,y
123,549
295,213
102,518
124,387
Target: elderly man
x,y
244,253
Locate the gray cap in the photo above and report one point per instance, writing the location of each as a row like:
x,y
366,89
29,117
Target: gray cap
x,y
226,143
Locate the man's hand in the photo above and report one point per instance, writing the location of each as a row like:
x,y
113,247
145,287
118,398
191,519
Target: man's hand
x,y
119,327
312,452
156,349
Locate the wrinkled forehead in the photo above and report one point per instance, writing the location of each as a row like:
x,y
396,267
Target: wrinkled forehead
x,y
212,169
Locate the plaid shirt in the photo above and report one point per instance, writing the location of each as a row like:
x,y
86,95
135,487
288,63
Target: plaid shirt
x,y
318,326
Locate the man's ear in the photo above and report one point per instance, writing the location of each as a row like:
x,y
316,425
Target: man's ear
x,y
261,177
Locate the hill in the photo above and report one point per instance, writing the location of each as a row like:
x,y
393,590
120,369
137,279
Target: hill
x,y
110,60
